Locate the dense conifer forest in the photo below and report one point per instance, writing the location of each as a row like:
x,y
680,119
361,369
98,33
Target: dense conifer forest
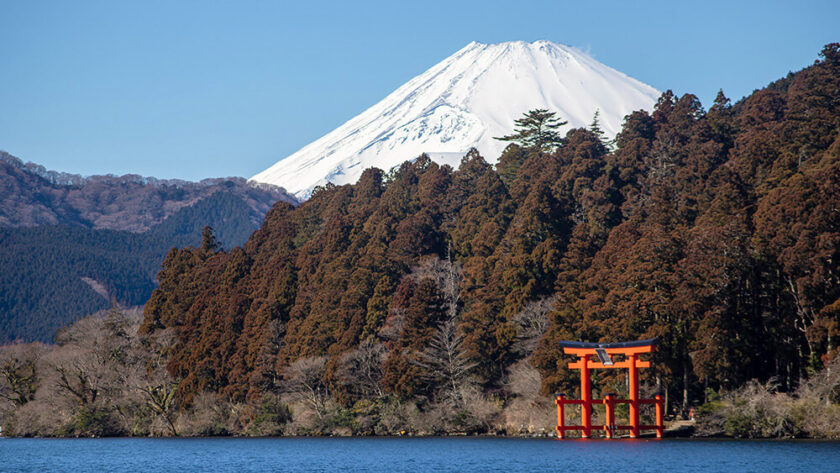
x,y
717,231
56,274
433,300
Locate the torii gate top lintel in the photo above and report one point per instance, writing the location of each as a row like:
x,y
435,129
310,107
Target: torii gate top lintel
x,y
624,348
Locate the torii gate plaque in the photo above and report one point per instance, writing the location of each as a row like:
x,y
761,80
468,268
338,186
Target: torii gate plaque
x,y
603,351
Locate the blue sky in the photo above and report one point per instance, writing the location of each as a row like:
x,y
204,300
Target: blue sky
x,y
205,89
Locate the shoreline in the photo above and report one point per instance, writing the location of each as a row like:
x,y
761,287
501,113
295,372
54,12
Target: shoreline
x,y
420,437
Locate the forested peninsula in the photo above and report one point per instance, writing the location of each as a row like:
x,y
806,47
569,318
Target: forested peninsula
x,y
428,300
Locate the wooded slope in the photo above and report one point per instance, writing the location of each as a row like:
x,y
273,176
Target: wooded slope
x,y
716,231
55,274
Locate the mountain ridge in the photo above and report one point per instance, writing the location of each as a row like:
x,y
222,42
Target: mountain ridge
x,y
31,195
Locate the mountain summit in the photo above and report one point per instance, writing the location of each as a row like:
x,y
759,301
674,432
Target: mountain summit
x,y
463,102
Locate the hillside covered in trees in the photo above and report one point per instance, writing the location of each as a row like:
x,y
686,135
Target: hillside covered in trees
x,y
434,299
716,231
55,274
31,195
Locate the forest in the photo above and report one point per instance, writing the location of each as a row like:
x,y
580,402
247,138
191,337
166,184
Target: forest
x,y
433,300
54,275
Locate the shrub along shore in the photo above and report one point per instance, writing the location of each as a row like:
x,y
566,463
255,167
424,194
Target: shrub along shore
x,y
102,379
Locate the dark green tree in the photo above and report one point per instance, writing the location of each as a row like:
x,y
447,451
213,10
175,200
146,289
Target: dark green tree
x,y
208,239
595,127
537,130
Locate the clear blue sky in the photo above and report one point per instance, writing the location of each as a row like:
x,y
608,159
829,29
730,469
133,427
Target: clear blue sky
x,y
204,89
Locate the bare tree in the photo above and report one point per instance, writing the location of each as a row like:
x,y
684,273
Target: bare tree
x,y
304,379
80,380
663,160
151,380
804,316
361,368
444,362
532,322
526,410
95,356
161,399
18,372
99,369
447,277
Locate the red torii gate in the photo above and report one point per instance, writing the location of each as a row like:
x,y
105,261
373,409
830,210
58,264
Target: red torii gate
x,y
631,352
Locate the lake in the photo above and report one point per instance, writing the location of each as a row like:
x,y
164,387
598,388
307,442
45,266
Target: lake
x,y
415,454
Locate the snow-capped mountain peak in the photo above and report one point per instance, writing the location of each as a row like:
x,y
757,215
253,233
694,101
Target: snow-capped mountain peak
x,y
462,102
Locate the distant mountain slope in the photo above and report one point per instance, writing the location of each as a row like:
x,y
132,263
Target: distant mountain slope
x,y
50,272
72,245
30,195
461,103
54,275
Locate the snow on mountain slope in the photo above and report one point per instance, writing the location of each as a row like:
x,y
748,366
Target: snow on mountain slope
x,y
463,102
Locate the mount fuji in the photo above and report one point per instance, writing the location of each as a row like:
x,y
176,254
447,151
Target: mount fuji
x,y
463,102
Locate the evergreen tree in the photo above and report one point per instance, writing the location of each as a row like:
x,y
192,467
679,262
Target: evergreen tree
x,y
720,119
595,127
537,130
208,239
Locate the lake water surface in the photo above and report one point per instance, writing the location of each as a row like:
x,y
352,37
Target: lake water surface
x,y
220,455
